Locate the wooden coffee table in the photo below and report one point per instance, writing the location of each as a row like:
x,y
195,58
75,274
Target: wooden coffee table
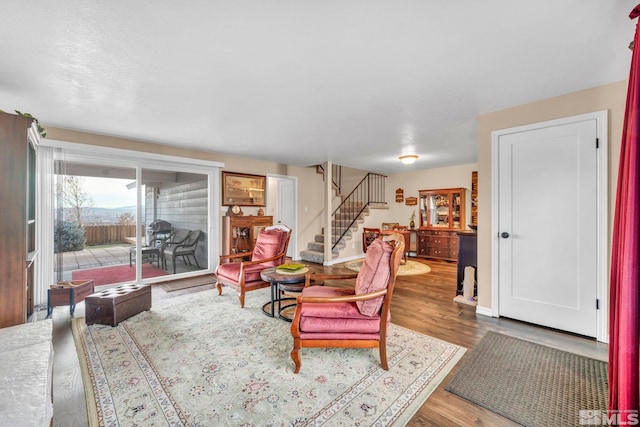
x,y
287,282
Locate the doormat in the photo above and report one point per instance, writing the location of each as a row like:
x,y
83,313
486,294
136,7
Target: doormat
x,y
190,282
531,384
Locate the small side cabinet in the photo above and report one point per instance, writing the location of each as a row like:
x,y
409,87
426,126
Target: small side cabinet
x,y
467,257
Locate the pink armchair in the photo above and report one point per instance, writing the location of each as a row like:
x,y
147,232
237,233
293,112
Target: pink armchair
x,y
350,318
270,250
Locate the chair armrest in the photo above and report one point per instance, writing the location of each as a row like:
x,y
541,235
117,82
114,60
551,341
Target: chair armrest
x,y
234,256
261,261
346,298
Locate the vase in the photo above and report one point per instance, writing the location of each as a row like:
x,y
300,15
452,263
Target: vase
x,y
412,224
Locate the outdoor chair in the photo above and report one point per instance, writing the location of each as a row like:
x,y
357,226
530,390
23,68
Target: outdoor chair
x,y
185,249
177,237
270,250
350,318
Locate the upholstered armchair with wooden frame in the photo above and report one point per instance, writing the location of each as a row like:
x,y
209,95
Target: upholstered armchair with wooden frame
x,y
350,318
270,250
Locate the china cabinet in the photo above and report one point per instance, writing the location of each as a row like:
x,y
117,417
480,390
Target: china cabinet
x,y
442,215
239,233
18,138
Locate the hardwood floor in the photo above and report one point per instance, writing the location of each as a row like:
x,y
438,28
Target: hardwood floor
x,y
422,303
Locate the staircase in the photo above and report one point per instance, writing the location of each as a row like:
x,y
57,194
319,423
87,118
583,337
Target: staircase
x,y
347,218
350,217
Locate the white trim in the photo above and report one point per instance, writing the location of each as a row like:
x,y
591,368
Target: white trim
x,y
44,273
484,311
602,237
96,150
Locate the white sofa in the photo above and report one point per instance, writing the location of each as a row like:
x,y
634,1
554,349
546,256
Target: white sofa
x,y
26,374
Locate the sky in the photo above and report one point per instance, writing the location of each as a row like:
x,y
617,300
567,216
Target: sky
x,y
110,192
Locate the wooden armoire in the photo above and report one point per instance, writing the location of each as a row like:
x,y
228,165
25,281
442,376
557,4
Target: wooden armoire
x,y
18,141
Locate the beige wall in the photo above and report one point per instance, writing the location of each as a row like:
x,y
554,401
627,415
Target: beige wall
x,y
309,182
609,97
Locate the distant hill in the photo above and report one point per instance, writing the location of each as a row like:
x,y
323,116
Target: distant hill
x,y
97,216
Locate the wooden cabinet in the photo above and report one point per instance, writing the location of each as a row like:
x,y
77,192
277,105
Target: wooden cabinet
x,y
442,215
239,233
18,140
467,256
441,244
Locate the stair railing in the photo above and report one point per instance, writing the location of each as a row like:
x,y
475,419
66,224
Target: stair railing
x,y
336,176
370,190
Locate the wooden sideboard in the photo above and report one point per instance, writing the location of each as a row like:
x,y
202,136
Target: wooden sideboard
x,y
239,233
439,244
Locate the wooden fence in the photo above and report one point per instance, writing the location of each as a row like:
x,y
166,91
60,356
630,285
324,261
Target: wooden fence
x,y
105,234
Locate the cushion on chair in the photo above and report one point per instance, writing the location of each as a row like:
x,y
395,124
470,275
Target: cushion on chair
x,y
269,243
336,320
231,272
374,276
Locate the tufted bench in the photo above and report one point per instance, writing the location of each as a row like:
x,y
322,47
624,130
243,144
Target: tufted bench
x,y
114,305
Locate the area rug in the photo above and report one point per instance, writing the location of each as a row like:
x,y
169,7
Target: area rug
x,y
189,282
199,359
116,274
409,268
531,384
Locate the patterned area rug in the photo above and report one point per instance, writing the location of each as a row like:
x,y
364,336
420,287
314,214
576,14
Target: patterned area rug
x,y
200,360
409,268
191,282
531,384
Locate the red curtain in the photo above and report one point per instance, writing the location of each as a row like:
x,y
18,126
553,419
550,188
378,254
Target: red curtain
x,y
624,309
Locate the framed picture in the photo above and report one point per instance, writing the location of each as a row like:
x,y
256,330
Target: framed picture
x,y
242,189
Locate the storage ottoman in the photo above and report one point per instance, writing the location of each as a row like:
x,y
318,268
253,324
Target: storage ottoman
x,y
114,305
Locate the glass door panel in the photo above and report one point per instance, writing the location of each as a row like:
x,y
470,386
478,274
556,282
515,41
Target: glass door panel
x,y
176,220
94,223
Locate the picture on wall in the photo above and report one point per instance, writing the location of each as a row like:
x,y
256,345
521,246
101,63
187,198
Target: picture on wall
x,y
243,189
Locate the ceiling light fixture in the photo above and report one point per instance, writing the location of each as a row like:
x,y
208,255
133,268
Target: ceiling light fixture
x,y
408,159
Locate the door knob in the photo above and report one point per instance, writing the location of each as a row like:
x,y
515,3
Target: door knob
x,y
504,235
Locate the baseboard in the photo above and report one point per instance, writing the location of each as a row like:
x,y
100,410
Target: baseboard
x,y
484,311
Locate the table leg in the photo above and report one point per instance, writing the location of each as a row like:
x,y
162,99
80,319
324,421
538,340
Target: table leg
x,y
49,307
271,303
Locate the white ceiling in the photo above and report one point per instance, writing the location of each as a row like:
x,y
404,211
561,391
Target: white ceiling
x,y
356,82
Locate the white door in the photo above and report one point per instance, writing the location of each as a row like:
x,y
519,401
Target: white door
x,y
547,226
286,210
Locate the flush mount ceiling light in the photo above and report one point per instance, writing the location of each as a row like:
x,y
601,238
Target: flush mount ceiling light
x,y
408,159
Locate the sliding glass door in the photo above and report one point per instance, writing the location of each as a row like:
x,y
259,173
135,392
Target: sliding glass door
x,y
130,220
